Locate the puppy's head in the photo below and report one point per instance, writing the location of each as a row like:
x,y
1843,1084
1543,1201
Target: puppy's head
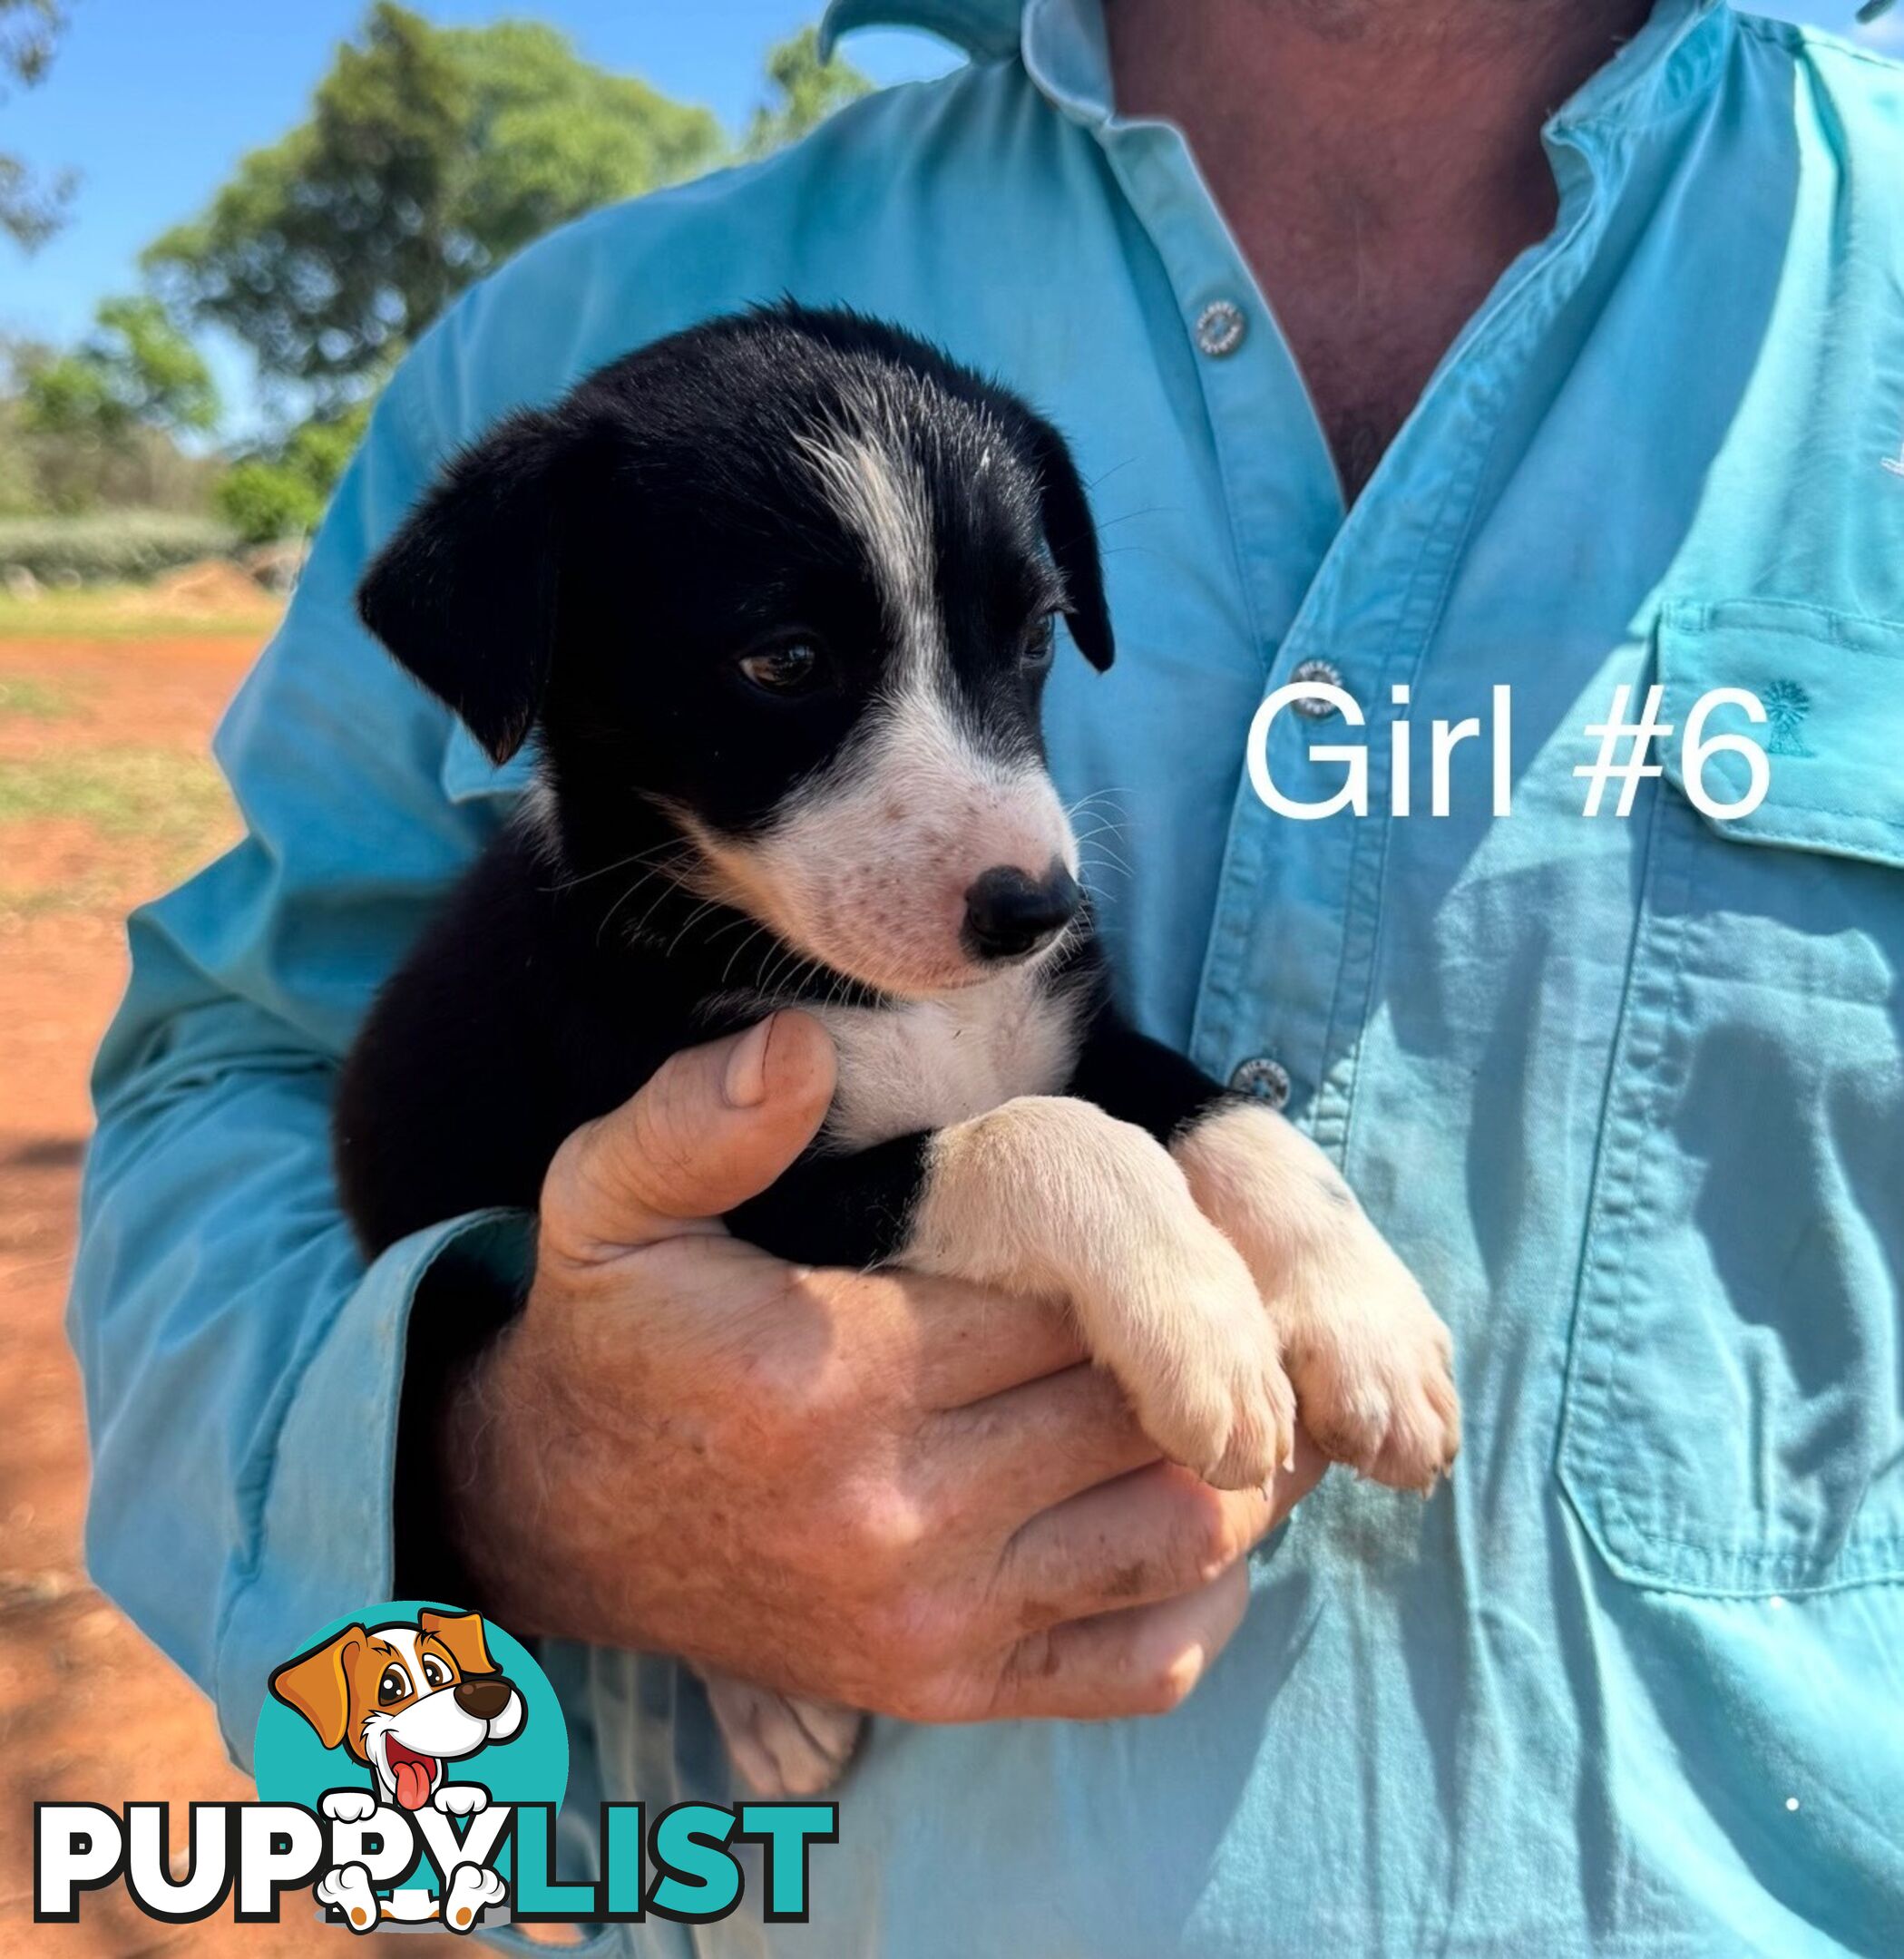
x,y
793,580
404,1699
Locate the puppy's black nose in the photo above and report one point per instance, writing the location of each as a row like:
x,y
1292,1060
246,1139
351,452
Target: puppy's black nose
x,y
484,1697
1009,913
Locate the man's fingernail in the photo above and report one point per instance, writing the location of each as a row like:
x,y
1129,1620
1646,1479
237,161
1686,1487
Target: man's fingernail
x,y
744,1082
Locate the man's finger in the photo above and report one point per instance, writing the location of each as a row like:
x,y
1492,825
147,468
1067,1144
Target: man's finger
x,y
714,1126
968,1344
1045,1440
1141,1661
1156,1533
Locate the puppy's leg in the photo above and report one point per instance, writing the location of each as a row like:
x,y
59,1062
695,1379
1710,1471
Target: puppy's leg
x,y
781,1744
1370,1358
1045,1195
1050,1194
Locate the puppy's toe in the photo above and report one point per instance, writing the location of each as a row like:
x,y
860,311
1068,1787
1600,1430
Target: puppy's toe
x,y
1262,1428
782,1745
1377,1393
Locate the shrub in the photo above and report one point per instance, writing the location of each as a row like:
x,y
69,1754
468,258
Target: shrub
x,y
109,545
264,500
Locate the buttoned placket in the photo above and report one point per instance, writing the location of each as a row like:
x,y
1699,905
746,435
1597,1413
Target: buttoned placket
x,y
1283,998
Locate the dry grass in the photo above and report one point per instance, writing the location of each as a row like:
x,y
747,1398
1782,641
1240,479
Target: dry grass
x,y
134,612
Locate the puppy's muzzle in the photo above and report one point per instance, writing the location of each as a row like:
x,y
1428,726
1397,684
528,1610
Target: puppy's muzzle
x,y
484,1698
1010,914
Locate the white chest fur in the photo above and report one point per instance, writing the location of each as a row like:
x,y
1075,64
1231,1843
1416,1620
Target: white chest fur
x,y
933,1063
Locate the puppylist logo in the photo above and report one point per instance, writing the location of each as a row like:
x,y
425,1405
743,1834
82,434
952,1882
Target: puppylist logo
x,y
411,1762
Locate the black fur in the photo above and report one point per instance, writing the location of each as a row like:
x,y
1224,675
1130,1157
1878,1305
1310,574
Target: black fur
x,y
586,577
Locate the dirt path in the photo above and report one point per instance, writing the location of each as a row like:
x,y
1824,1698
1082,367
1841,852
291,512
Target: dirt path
x,y
105,797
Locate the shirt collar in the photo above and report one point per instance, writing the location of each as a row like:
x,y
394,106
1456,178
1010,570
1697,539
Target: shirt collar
x,y
1064,50
987,29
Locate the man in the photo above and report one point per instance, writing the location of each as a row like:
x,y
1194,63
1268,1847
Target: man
x,y
1597,311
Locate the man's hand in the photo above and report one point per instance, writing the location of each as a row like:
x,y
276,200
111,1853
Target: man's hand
x,y
905,1494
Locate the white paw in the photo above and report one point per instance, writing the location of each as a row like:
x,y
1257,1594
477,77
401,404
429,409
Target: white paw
x,y
1373,1372
347,1886
461,1799
1191,1345
473,1887
348,1805
782,1745
1371,1360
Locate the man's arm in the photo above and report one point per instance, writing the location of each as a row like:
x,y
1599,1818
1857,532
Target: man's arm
x,y
242,1370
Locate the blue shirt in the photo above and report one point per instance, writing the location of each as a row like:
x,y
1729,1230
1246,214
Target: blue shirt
x,y
1627,1093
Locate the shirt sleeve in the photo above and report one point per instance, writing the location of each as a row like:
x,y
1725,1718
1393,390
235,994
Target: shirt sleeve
x,y
242,1369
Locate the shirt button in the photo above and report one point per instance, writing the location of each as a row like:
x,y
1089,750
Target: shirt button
x,y
1264,1078
1316,673
1220,328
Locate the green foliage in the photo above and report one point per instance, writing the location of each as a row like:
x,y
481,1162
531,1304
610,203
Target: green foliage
x,y
806,91
136,371
111,545
282,492
31,208
98,425
430,154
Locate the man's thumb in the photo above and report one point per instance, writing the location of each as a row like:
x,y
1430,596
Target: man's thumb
x,y
714,1126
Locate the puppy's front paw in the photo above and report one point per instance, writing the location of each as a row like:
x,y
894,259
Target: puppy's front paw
x,y
461,1799
1192,1346
1371,1360
1050,1194
781,1744
1373,1373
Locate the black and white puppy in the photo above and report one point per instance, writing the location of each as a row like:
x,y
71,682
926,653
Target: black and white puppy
x,y
775,599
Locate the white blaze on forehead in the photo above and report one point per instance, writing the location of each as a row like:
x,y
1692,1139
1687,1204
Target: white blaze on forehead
x,y
866,866
878,493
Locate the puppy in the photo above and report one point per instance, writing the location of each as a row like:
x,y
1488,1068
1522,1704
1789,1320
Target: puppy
x,y
776,598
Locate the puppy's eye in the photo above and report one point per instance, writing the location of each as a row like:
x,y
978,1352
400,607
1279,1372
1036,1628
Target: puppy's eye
x,y
793,666
434,1673
1034,652
394,1686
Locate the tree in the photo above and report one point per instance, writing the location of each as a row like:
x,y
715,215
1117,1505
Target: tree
x,y
282,492
430,155
806,90
31,209
136,371
100,423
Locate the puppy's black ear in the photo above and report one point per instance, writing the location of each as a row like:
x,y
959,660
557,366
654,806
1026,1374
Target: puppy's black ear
x,y
464,593
1073,539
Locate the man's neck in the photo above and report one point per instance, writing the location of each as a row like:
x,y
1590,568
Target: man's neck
x,y
1379,160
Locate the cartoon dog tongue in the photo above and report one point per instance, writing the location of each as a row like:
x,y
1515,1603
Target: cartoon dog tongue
x,y
411,1773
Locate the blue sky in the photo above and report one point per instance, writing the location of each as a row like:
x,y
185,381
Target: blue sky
x,y
155,100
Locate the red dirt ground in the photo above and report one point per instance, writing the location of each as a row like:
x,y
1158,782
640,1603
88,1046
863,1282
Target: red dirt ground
x,y
88,1708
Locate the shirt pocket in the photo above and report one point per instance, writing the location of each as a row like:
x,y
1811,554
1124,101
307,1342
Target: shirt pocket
x,y
1735,1410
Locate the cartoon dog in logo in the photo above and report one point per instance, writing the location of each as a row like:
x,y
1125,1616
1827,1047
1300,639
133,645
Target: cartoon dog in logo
x,y
406,1702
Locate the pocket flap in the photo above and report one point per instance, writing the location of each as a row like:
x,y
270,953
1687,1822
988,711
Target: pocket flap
x,y
1833,688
